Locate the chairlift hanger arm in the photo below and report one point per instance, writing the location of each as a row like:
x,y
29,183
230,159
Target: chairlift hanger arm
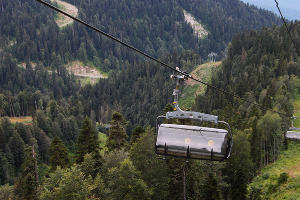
x,y
192,142
180,114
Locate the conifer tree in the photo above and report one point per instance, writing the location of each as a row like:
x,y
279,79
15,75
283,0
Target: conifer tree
x,y
26,186
4,169
67,184
117,133
16,145
136,134
154,171
210,190
126,183
87,140
6,192
52,110
58,154
88,143
239,166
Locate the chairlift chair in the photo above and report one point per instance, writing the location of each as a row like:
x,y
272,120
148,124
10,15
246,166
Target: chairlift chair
x,y
192,142
293,132
293,135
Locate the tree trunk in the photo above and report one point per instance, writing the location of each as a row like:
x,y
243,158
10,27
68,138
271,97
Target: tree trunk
x,y
184,183
35,165
274,148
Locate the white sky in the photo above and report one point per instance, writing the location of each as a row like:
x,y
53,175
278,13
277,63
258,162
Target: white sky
x,y
290,8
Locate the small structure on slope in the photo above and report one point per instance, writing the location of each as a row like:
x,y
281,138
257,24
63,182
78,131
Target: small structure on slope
x,y
212,57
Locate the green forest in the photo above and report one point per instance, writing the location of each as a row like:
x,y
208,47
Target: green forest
x,y
97,141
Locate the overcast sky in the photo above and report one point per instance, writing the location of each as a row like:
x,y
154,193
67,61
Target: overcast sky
x,y
290,8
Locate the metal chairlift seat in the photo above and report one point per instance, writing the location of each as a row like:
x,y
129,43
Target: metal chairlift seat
x,y
292,135
293,132
193,142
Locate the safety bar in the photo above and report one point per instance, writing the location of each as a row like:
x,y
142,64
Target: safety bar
x,y
230,138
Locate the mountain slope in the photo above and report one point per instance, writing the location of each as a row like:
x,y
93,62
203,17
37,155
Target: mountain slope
x,y
157,27
268,184
224,19
192,88
62,20
260,67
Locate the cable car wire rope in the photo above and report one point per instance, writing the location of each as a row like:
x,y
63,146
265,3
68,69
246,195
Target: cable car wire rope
x,y
155,59
285,24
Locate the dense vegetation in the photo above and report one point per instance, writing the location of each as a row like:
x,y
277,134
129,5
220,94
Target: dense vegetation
x,y
157,28
280,180
259,66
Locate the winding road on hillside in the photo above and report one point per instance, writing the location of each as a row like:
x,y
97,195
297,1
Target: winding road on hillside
x,y
62,20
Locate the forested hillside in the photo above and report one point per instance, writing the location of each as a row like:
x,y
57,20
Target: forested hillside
x,y
260,67
58,155
280,180
157,27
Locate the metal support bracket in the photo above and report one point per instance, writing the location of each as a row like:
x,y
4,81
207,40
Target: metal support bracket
x,y
180,114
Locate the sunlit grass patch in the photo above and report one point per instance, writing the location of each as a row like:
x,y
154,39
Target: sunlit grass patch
x,y
189,94
25,120
288,162
204,73
102,141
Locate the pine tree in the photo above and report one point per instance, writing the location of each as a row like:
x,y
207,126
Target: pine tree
x,y
58,154
52,110
154,171
26,187
239,166
16,145
88,144
136,134
4,169
67,184
117,133
210,189
6,192
126,183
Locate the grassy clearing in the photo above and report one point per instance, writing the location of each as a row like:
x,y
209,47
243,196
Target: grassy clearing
x,y
199,30
288,162
60,16
86,73
189,95
202,72
92,65
297,104
87,81
25,120
102,141
62,20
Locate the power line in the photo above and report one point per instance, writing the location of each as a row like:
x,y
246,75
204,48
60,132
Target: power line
x,y
152,58
285,24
